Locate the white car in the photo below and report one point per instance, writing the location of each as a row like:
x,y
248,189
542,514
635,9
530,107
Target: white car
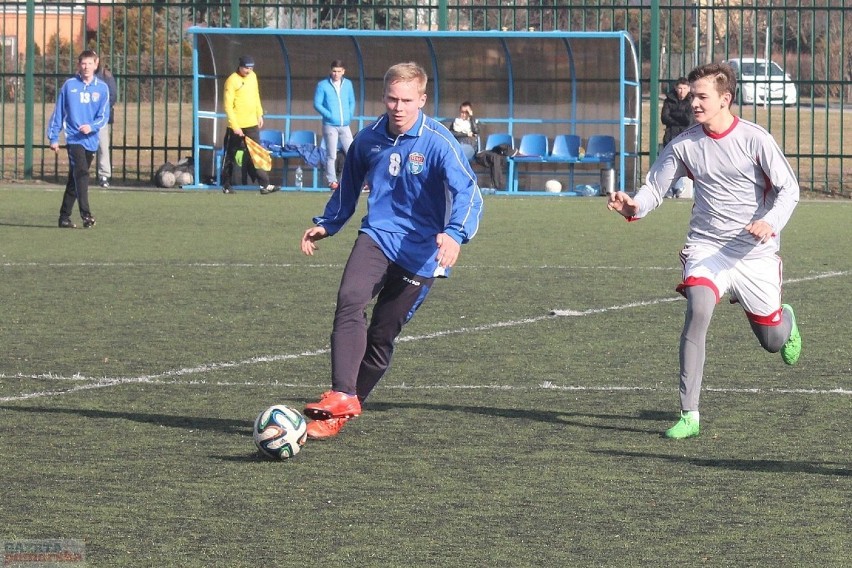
x,y
762,82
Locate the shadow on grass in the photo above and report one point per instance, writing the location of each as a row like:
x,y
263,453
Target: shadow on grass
x,y
550,416
244,427
765,466
224,425
245,458
27,225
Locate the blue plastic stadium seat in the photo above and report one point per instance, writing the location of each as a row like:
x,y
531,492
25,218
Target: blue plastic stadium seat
x,y
566,148
498,138
299,138
272,140
302,137
601,148
533,147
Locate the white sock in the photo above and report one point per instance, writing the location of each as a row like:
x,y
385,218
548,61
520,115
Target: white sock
x,y
693,414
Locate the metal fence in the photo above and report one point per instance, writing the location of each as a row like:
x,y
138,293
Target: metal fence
x,y
146,48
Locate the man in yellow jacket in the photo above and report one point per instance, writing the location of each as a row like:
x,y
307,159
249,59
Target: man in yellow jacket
x,y
245,118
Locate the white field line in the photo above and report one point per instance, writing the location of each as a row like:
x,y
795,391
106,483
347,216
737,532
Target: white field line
x,y
167,376
313,265
543,386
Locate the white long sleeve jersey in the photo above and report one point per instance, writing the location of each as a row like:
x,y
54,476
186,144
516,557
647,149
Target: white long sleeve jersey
x,y
739,176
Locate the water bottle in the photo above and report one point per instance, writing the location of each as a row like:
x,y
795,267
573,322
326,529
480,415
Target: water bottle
x,y
299,174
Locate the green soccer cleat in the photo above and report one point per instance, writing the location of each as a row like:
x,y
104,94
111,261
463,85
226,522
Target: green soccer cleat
x,y
793,348
686,427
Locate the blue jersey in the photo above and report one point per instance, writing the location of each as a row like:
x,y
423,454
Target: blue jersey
x,y
76,105
420,185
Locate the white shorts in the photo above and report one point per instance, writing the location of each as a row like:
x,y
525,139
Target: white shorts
x,y
754,283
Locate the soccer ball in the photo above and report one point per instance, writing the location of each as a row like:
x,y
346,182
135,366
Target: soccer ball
x,y
183,178
552,186
280,432
166,179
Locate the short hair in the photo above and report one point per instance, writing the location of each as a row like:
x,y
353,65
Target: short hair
x,y
337,63
405,72
87,54
721,74
682,81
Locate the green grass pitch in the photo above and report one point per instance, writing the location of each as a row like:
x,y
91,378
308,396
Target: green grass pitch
x,y
135,356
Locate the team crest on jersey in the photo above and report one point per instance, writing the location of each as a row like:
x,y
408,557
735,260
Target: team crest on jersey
x,y
96,97
416,161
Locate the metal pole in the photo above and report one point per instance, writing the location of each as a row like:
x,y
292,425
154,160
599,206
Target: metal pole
x,y
655,78
711,33
766,56
442,15
235,13
29,87
697,46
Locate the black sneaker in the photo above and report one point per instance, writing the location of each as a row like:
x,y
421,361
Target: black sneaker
x,y
88,222
227,190
103,181
66,224
268,189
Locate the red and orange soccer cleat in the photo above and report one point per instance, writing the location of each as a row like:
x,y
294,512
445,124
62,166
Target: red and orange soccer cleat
x,y
333,404
320,429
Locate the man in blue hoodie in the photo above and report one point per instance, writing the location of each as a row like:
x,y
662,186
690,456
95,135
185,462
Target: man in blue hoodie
x,y
424,203
82,109
334,99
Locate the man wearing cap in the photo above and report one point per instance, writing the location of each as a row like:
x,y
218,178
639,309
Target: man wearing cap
x,y
245,118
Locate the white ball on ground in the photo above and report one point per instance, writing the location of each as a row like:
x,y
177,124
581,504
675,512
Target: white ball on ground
x,y
280,431
183,178
166,179
552,186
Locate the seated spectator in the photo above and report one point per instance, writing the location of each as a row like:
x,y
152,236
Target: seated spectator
x,y
466,130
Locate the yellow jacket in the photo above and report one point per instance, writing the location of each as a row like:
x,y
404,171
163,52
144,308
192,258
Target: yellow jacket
x,y
242,100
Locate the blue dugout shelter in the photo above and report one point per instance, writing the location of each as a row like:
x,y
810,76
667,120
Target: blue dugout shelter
x,y
551,83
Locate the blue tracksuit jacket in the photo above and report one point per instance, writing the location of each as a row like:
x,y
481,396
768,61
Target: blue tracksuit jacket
x,y
335,110
420,185
76,105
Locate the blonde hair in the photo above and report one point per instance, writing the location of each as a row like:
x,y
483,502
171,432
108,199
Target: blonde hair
x,y
406,72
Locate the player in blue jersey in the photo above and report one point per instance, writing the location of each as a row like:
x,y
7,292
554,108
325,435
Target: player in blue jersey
x,y
82,109
424,203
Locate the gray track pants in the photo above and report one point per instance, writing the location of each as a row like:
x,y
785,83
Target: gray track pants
x,y
360,354
700,303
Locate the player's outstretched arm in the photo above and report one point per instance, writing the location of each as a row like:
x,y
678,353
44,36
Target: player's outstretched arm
x,y
622,203
310,238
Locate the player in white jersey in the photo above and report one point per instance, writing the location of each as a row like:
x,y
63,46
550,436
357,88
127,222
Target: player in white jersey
x,y
745,192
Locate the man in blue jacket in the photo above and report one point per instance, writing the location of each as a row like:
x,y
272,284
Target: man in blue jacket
x,y
82,109
102,157
424,203
334,99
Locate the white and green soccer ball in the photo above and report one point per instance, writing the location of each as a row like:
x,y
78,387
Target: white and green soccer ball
x,y
280,432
